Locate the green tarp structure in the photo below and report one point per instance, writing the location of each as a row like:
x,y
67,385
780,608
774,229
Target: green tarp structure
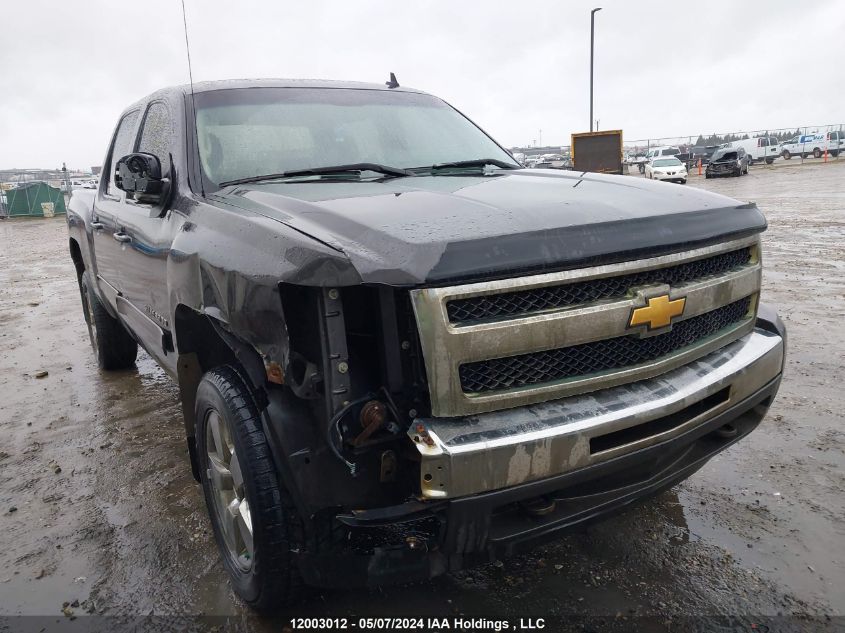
x,y
34,199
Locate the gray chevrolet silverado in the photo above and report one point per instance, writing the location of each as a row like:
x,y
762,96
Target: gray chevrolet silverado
x,y
399,353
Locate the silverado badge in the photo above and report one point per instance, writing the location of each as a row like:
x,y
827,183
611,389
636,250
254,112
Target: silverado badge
x,y
658,313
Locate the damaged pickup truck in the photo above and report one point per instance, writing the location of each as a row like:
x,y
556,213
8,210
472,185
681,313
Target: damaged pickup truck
x,y
399,353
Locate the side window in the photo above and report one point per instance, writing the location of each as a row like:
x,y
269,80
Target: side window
x,y
157,135
122,146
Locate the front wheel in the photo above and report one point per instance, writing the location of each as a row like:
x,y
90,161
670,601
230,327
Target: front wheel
x,y
769,161
786,155
255,523
684,181
113,346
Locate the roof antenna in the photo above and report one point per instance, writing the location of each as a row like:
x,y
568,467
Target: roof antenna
x,y
191,79
390,84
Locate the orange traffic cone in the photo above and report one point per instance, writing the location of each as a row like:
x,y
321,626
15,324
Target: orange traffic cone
x,y
825,154
699,166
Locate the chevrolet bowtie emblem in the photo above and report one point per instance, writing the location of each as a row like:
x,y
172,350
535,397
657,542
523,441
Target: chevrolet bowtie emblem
x,y
658,313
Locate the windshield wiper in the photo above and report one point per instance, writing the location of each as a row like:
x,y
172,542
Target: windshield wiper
x,y
476,162
325,171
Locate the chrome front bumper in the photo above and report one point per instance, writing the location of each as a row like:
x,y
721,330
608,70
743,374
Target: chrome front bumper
x,y
490,451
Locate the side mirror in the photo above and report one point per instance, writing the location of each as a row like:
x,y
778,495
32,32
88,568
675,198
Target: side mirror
x,y
140,176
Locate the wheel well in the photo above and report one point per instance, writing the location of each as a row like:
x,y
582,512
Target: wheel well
x,y
76,256
203,344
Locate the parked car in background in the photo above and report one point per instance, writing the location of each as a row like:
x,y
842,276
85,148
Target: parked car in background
x,y
760,148
703,153
805,145
727,161
666,150
553,161
669,169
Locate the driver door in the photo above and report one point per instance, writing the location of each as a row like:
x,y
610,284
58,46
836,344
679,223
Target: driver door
x,y
109,249
149,230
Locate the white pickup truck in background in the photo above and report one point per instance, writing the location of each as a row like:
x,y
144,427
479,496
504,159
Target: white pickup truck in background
x,y
816,144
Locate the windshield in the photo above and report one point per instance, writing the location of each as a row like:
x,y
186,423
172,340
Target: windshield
x,y
256,131
667,162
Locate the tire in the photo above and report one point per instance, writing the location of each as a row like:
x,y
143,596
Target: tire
x,y
834,153
265,576
786,155
113,345
769,161
684,181
817,153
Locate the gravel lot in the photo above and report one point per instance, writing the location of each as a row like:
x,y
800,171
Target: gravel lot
x,y
108,519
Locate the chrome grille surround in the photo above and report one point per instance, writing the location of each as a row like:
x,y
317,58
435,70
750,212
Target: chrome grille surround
x,y
446,346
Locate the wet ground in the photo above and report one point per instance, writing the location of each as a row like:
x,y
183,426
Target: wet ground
x,y
98,510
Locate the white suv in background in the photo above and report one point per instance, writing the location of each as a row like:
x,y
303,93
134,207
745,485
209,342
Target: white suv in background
x,y
666,150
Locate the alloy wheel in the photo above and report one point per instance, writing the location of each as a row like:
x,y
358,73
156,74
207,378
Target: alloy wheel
x,y
227,485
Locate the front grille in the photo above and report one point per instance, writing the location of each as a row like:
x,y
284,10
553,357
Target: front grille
x,y
589,358
548,297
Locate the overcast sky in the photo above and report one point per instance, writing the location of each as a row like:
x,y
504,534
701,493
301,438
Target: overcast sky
x,y
662,68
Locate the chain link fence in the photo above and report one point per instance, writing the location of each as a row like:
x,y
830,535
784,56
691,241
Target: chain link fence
x,y
813,143
793,146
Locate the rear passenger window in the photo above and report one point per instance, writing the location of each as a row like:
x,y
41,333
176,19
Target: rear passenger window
x,y
157,135
122,146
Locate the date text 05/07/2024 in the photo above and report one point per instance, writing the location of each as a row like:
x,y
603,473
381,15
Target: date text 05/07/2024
x,y
418,624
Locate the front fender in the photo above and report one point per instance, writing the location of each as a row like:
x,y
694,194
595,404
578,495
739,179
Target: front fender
x,y
80,210
227,263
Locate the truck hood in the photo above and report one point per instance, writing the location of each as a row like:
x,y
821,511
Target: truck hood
x,y
439,229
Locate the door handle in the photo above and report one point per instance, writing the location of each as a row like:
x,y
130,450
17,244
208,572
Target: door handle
x,y
96,225
121,237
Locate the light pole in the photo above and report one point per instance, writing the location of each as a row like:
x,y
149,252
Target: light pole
x,y
592,41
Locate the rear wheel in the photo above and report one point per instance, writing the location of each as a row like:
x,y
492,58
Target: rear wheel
x,y
817,153
113,346
769,161
255,523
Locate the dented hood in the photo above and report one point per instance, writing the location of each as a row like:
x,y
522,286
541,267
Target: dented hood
x,y
438,229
